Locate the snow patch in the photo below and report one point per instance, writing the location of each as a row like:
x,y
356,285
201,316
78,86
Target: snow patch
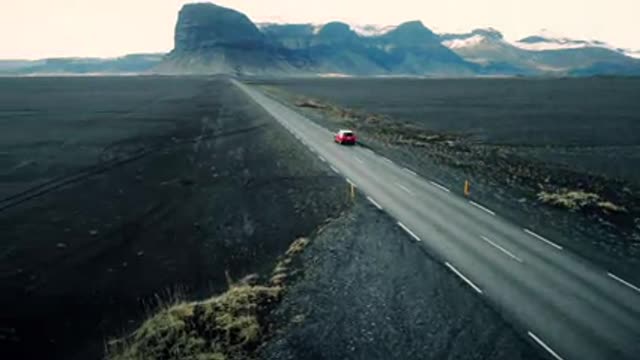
x,y
317,28
314,26
548,40
552,44
464,43
367,30
372,30
335,75
632,53
565,43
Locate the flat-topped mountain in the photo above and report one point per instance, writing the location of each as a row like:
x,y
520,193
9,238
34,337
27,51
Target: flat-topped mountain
x,y
211,39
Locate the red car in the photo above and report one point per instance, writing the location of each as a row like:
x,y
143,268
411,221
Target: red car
x,y
345,137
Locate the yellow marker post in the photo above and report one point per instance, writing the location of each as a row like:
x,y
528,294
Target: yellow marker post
x,y
353,192
467,188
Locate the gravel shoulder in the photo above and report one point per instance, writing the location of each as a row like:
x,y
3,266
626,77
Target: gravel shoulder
x,y
369,292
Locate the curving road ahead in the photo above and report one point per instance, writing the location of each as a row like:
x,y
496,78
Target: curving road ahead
x,y
566,306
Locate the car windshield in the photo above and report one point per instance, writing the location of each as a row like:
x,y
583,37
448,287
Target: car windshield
x,y
347,134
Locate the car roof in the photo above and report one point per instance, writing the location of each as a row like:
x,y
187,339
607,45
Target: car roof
x,y
345,130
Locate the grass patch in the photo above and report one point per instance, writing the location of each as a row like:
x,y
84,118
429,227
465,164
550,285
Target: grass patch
x,y
577,200
231,326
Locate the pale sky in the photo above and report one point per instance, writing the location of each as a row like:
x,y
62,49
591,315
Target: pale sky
x,y
49,28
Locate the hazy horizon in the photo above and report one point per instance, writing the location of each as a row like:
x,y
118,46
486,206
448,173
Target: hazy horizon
x,y
34,29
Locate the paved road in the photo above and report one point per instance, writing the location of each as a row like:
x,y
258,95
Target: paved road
x,y
567,307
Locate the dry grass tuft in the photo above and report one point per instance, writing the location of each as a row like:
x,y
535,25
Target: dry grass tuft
x,y
309,103
229,326
297,247
611,207
226,327
577,200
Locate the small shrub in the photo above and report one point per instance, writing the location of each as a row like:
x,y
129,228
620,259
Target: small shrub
x,y
577,200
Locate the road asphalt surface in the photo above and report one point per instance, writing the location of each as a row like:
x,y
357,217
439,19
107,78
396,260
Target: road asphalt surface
x,y
566,306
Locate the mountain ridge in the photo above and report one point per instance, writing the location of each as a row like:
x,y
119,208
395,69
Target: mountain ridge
x,y
211,39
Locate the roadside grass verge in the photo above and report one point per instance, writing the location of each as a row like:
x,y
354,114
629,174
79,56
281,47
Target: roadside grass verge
x,y
230,326
577,200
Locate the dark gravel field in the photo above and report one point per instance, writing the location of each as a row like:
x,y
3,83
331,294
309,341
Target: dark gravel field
x,y
560,156
119,195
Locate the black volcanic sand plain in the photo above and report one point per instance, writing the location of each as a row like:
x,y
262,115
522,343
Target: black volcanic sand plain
x,y
560,156
143,189
121,196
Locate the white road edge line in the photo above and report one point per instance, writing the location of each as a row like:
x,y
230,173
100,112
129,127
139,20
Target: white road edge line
x,y
368,150
482,208
334,169
544,346
439,186
374,203
322,159
408,231
624,282
359,160
501,249
543,239
477,289
387,160
351,182
410,171
404,188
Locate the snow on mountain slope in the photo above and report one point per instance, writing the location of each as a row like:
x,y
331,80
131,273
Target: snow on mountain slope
x,y
363,30
464,42
543,42
633,53
372,30
547,40
539,43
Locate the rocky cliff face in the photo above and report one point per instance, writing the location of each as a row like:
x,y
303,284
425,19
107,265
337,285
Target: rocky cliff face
x,y
213,39
203,27
290,36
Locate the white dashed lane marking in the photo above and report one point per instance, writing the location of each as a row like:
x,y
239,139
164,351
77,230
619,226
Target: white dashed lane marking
x,y
404,188
482,208
548,242
624,282
410,171
413,235
439,186
374,203
511,255
464,278
544,346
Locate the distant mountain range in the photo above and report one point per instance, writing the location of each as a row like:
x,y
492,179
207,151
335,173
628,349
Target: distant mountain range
x,y
130,64
210,39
